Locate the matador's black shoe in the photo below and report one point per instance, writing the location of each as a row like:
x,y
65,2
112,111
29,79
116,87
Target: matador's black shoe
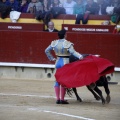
x,y
58,102
64,102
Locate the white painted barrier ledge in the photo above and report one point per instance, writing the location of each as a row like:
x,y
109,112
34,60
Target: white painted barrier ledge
x,y
27,65
35,65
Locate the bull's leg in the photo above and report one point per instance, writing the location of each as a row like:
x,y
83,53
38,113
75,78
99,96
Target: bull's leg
x,y
76,94
107,90
94,94
100,94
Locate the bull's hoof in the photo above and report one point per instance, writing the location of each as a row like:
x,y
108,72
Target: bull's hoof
x,y
103,101
79,99
97,98
108,98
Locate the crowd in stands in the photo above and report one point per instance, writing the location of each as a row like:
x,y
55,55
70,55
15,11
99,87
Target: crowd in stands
x,y
81,8
97,7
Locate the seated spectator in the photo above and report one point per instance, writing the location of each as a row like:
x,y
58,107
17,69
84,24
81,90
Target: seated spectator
x,y
91,7
51,27
115,3
57,8
41,1
44,14
84,2
3,1
102,5
62,1
108,1
56,3
115,17
46,5
34,6
79,8
14,4
24,6
4,10
68,5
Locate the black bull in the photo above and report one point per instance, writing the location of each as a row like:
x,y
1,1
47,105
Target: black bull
x,y
93,88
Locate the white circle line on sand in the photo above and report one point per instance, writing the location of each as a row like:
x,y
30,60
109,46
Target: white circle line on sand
x,y
28,95
63,114
45,111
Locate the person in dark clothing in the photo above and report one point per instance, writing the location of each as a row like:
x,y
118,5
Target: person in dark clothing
x,y
23,6
102,5
116,10
4,10
14,4
3,1
114,3
46,5
91,7
51,27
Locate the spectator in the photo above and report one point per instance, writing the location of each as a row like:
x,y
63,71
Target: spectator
x,y
41,1
44,14
79,8
34,6
14,4
4,10
24,6
115,3
3,1
84,2
68,5
51,27
56,3
102,5
57,8
116,11
46,5
61,1
108,1
91,7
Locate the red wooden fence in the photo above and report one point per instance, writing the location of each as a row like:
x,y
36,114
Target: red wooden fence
x,y
29,46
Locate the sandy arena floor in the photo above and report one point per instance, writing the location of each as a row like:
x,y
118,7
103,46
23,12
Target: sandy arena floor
x,y
35,100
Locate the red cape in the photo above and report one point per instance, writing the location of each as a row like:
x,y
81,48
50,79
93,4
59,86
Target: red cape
x,y
83,72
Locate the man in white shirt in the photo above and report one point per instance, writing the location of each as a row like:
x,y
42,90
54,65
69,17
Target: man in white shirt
x,y
68,5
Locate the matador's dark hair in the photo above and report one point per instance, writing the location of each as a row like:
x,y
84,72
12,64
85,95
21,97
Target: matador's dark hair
x,y
61,34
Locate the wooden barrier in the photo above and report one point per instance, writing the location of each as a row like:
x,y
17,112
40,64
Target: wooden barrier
x,y
22,26
29,46
61,19
89,28
67,17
